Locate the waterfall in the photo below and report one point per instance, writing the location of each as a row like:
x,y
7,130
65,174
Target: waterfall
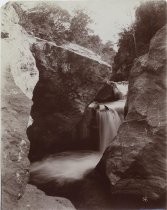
x,y
109,122
72,166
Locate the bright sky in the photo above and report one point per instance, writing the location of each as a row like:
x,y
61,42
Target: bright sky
x,y
109,16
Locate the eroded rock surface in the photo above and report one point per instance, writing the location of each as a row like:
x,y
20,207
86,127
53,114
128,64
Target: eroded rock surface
x,y
36,199
19,76
135,163
15,145
68,82
112,91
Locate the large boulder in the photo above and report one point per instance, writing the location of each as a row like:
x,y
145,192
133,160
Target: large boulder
x,y
112,91
15,145
69,78
135,163
19,76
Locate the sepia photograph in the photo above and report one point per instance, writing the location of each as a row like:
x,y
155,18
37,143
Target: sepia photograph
x,y
83,105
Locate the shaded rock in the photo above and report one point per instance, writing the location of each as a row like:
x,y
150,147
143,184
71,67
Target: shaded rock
x,y
88,128
88,191
108,93
36,199
135,162
68,82
4,35
112,91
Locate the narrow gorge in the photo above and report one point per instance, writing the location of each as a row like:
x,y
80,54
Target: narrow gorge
x,y
72,138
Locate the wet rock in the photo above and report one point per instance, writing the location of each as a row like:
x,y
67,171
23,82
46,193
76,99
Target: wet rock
x,y
112,91
108,93
88,129
135,162
69,78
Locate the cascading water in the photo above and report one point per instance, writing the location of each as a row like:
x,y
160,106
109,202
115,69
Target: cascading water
x,y
109,122
110,117
68,174
71,166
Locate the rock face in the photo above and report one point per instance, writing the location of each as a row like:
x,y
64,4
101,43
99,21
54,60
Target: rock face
x,y
69,78
15,145
17,52
135,162
112,91
19,76
36,199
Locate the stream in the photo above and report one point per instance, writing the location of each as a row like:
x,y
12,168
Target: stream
x,y
72,174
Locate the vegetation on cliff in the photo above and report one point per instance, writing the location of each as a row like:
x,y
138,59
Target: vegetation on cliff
x,y
56,24
134,41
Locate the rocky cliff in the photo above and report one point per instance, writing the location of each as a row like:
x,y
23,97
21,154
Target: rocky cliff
x,y
135,163
19,77
62,81
69,78
66,79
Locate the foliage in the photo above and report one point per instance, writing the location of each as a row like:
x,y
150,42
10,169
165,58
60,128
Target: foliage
x,y
150,17
55,24
81,34
134,41
79,26
47,22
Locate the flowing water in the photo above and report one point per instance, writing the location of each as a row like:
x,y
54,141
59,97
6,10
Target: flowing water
x,y
71,175
72,167
64,167
110,117
109,122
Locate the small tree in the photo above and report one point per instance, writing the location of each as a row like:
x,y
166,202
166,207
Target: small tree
x,y
134,41
79,29
47,22
150,17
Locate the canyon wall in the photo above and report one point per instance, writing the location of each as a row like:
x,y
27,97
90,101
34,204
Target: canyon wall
x,y
135,163
19,76
61,81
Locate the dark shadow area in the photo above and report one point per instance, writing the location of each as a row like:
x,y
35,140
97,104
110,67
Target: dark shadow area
x,y
92,192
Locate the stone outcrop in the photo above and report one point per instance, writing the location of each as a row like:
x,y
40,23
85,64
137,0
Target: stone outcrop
x,y
69,78
36,199
112,91
19,76
16,51
135,163
15,145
